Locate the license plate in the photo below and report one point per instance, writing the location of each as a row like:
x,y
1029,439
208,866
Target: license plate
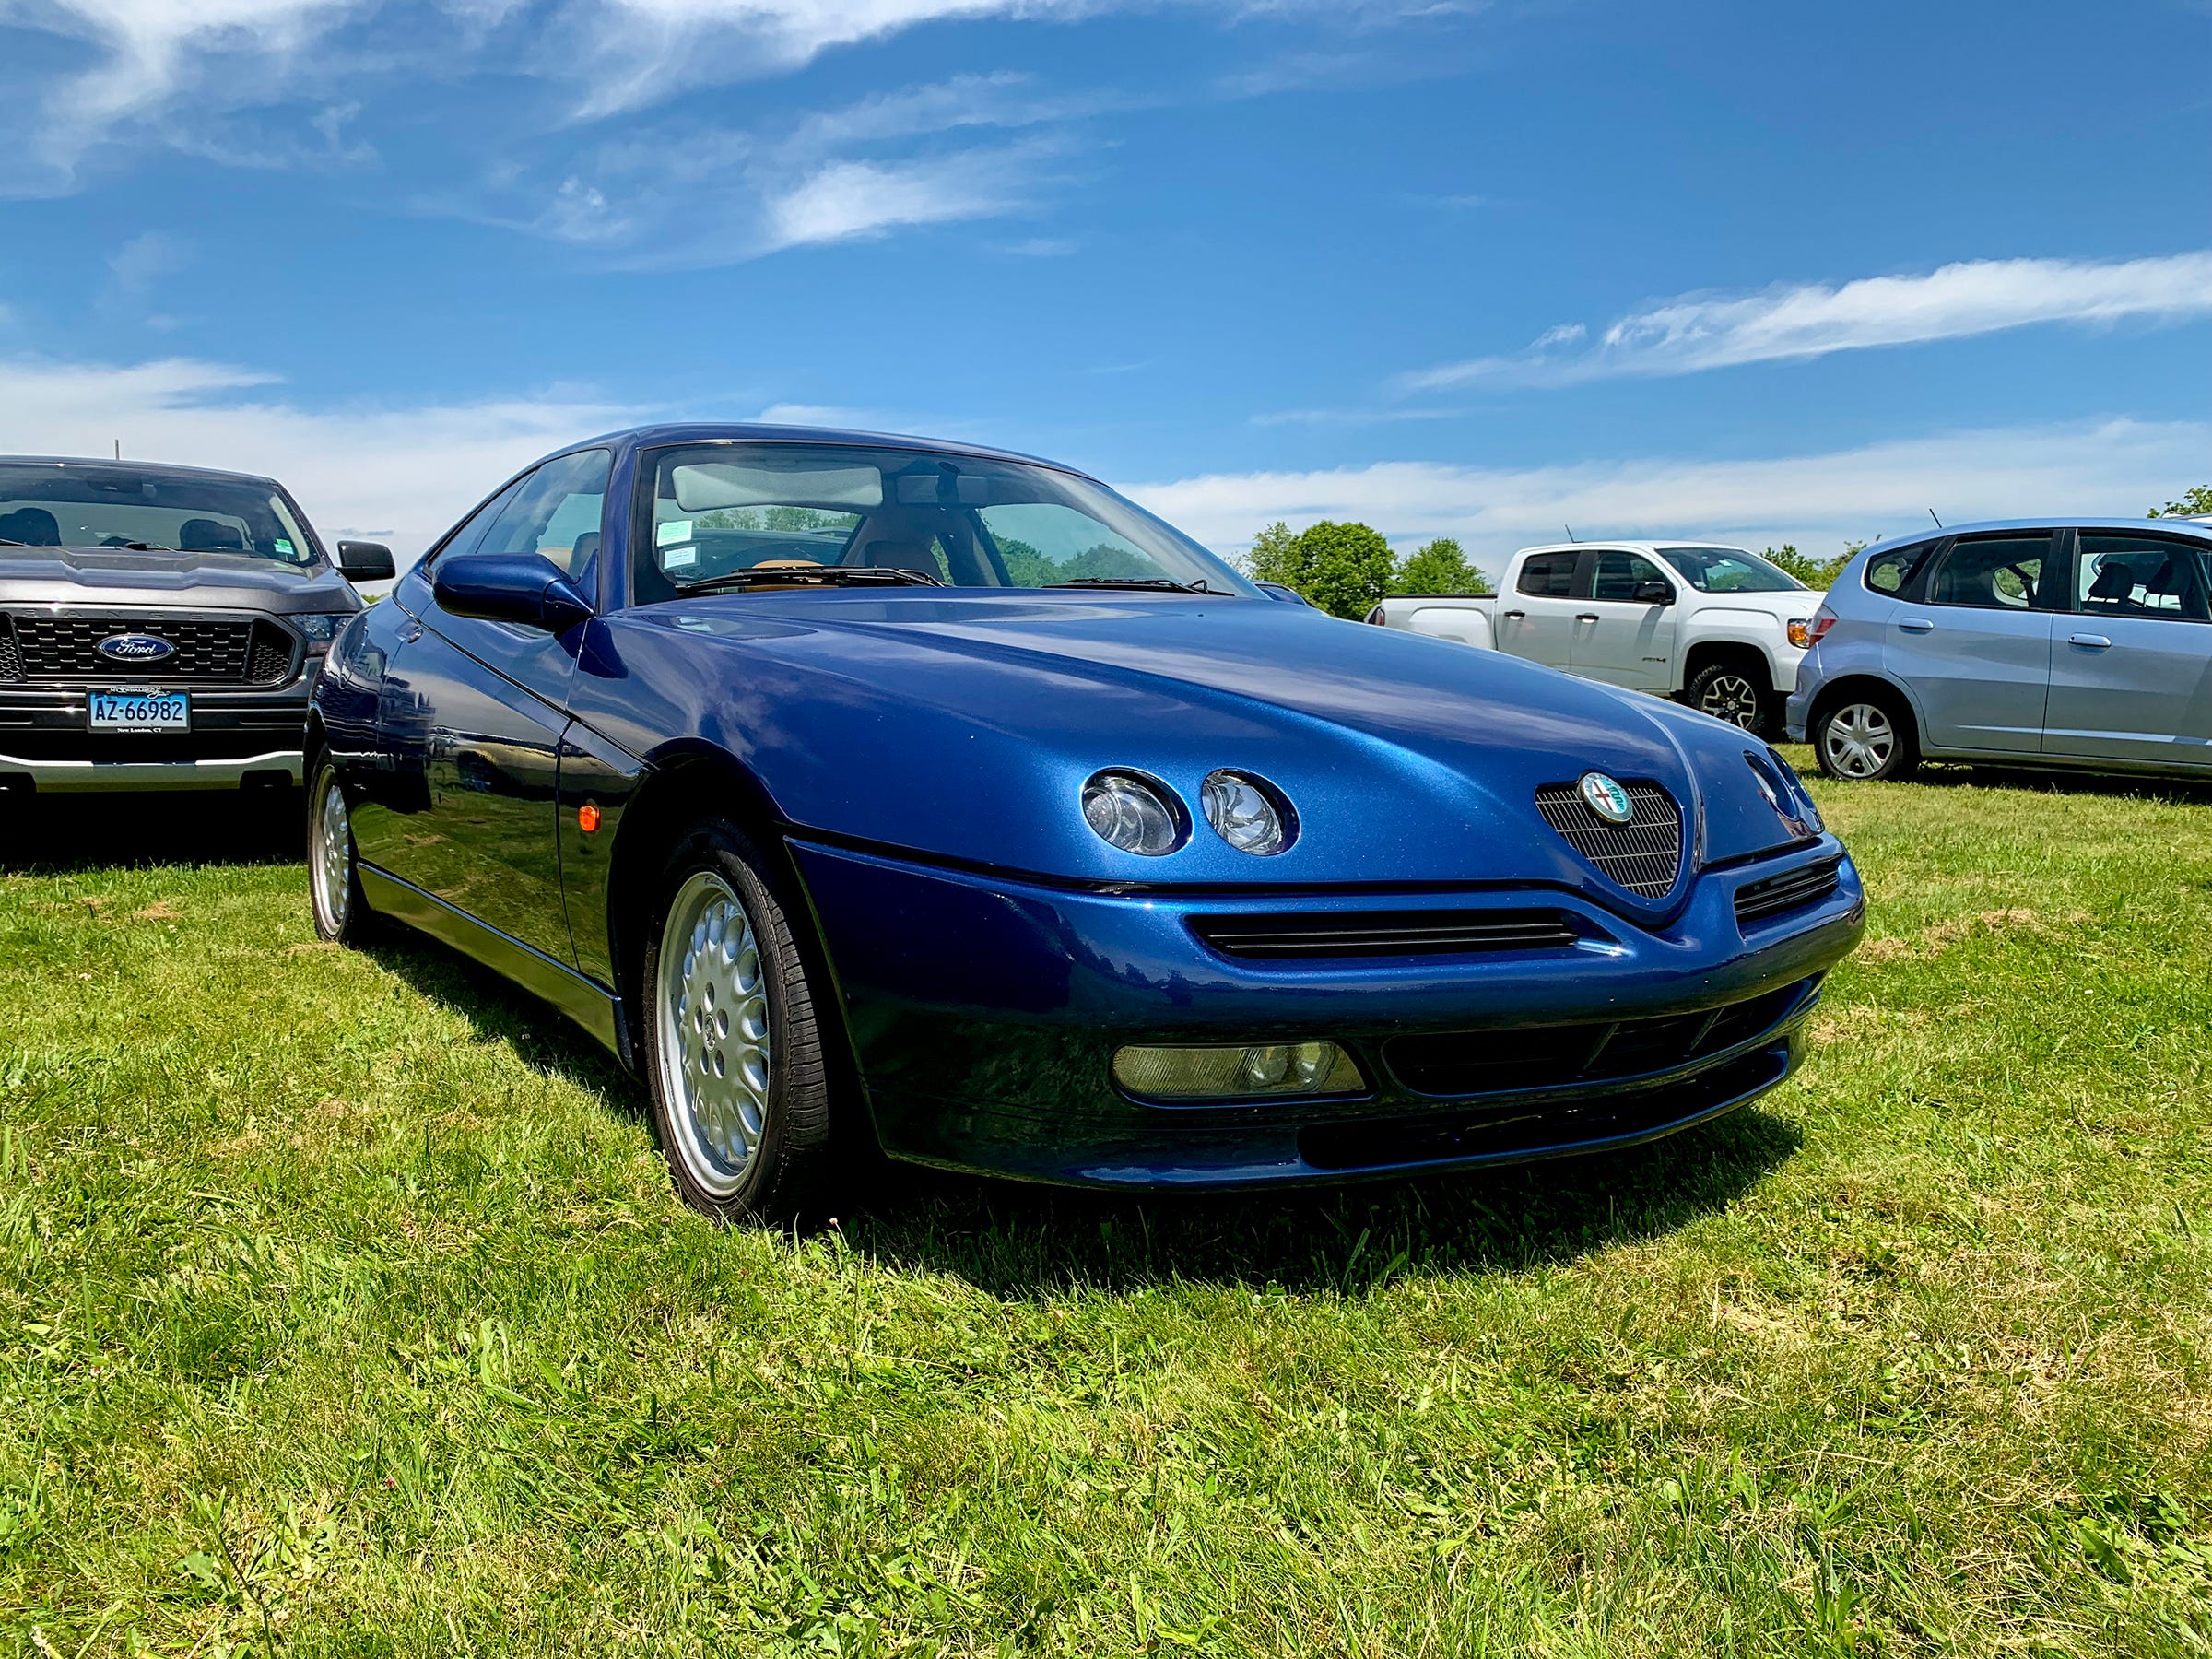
x,y
141,711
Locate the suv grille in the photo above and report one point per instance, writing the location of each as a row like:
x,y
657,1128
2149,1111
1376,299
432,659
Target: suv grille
x,y
60,646
11,660
1474,1063
1793,889
1385,933
1643,855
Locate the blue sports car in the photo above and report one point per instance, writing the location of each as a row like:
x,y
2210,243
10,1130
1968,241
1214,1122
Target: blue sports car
x,y
860,789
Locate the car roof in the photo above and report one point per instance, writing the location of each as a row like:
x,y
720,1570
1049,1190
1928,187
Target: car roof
x,y
754,432
160,469
1634,547
2193,527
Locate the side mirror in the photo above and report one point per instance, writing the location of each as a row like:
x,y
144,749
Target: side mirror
x,y
509,587
1654,592
365,562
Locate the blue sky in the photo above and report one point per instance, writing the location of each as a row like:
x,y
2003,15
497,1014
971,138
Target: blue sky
x,y
1719,267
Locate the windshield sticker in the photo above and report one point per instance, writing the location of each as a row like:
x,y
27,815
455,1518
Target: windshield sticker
x,y
675,530
680,558
283,547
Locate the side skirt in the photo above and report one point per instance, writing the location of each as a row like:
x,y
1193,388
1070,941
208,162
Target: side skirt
x,y
597,1011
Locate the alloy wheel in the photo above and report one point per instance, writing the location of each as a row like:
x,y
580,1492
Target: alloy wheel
x,y
333,856
714,1033
1859,740
1733,699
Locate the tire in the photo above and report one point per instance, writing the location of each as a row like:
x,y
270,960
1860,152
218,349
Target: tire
x,y
1741,697
1865,738
334,877
733,1054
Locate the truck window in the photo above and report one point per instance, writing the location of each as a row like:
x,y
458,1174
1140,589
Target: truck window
x,y
1619,574
1549,575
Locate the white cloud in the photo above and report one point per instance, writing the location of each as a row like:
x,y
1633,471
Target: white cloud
x,y
1809,319
401,475
844,200
1816,500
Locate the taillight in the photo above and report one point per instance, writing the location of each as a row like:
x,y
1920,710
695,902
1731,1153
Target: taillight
x,y
1805,635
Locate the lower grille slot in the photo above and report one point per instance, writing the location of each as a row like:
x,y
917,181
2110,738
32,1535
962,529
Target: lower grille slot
x,y
1793,889
1503,1062
1313,935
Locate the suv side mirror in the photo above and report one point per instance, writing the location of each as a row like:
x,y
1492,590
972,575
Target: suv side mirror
x,y
509,587
1654,592
365,562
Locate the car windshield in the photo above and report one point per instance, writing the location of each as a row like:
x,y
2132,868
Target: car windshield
x,y
1729,570
724,508
74,505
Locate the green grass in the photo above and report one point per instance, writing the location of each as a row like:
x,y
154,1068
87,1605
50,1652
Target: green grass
x,y
345,1308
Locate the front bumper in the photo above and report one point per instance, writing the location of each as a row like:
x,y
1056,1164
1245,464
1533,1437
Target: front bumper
x,y
237,738
985,1014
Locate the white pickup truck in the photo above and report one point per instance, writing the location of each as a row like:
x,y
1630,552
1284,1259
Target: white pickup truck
x,y
1717,628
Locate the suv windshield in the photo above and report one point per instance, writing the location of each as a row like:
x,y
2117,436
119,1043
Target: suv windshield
x,y
73,505
965,521
1729,570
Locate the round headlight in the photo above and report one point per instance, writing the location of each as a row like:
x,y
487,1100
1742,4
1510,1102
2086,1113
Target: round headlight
x,y
1132,813
1250,816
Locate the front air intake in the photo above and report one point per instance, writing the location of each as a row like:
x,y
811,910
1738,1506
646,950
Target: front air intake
x,y
1643,855
1793,889
1315,936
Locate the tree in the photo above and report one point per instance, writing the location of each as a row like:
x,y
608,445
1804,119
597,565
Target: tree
x,y
1441,567
2194,503
1343,569
1814,572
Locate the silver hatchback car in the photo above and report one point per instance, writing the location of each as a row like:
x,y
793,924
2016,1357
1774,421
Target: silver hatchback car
x,y
2085,643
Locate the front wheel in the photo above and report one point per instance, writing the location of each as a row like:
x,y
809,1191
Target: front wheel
x,y
1866,739
734,1048
334,877
1733,694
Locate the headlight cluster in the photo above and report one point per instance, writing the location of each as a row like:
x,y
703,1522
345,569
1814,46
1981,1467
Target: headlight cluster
x,y
1137,813
320,629
1238,1073
1785,791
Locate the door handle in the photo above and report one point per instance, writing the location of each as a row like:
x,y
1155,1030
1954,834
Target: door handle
x,y
1587,617
1915,625
409,634
1514,616
2089,641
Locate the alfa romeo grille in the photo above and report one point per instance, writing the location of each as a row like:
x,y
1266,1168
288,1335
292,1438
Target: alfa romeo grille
x,y
1311,936
62,646
1642,855
1793,889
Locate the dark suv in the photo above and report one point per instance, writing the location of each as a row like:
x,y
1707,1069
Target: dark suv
x,y
161,626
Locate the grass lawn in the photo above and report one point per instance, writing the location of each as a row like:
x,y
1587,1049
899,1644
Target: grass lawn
x,y
345,1308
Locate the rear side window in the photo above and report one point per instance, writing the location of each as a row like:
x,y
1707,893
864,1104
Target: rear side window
x,y
1549,575
1999,573
2122,575
1892,573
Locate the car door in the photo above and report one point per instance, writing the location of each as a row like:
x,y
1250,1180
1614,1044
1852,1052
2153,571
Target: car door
x,y
1974,649
1536,620
2131,665
485,707
1623,636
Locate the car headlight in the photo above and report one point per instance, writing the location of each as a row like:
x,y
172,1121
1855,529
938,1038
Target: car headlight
x,y
1249,814
1238,1073
319,628
1134,812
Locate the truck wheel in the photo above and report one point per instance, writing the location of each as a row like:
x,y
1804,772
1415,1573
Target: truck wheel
x,y
734,1049
334,879
1865,738
1729,692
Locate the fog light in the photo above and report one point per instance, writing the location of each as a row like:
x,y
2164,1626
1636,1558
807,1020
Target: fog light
x,y
1230,1074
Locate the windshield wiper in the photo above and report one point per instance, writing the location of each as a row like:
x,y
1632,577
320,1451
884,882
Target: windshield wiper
x,y
812,575
1143,584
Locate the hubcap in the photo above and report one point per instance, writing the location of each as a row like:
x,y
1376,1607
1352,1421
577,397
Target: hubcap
x,y
334,856
1859,740
713,1009
1733,699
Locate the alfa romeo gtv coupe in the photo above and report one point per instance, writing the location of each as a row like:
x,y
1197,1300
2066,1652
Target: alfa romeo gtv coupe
x,y
857,788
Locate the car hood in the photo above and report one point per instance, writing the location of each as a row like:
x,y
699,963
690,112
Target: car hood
x,y
172,580
1794,605
965,725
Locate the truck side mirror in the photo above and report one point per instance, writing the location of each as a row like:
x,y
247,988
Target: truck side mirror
x,y
1654,592
365,562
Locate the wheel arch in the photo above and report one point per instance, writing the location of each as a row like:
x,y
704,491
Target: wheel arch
x,y
1873,688
1737,654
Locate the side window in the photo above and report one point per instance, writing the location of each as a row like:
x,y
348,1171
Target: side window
x,y
464,541
1549,575
555,511
1892,573
1619,574
2122,575
1999,573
